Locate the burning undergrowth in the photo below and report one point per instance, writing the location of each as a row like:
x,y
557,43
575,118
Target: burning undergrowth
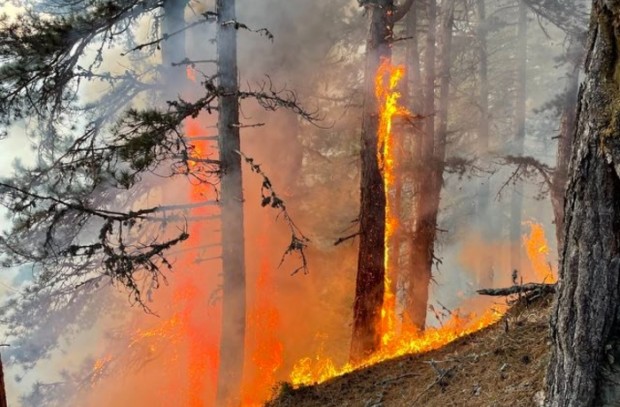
x,y
501,365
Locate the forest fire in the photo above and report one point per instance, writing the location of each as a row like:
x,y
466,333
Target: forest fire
x,y
266,350
406,340
309,371
387,79
148,260
537,250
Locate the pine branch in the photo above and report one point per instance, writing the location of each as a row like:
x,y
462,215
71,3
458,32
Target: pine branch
x,y
299,242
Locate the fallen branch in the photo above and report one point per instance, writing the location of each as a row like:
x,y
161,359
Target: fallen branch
x,y
519,289
397,378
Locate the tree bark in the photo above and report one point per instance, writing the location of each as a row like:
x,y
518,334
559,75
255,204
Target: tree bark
x,y
516,203
422,240
3,402
370,289
584,368
231,196
567,131
432,168
414,93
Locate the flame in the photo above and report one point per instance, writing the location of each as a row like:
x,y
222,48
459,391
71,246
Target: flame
x,y
408,340
263,324
386,81
191,73
537,250
189,347
99,368
310,371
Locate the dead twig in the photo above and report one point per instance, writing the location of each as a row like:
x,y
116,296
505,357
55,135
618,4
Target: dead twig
x,y
397,378
344,239
442,374
519,289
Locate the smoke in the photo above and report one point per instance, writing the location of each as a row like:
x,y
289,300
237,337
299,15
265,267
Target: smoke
x,y
170,357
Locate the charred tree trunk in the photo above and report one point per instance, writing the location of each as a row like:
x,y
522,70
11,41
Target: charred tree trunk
x,y
516,203
370,289
485,277
567,131
584,368
231,197
2,386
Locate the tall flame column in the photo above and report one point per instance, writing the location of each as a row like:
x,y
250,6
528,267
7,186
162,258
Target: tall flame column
x,y
369,290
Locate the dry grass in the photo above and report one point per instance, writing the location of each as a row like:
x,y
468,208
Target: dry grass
x,y
493,367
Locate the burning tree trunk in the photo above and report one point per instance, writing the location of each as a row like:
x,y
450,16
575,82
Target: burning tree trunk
x,y
516,204
233,252
567,131
430,170
371,268
584,369
2,386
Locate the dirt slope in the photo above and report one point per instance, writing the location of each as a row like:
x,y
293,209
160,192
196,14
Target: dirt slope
x,y
502,365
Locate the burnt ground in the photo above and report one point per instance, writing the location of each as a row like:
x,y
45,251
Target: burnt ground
x,y
502,365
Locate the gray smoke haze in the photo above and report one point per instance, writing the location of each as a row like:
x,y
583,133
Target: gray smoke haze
x,y
317,52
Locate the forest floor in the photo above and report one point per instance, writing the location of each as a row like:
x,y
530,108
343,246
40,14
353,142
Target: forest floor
x,y
502,365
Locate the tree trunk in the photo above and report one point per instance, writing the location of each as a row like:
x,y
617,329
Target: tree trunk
x,y
516,203
567,131
584,368
231,196
425,227
414,94
371,268
2,386
431,171
485,276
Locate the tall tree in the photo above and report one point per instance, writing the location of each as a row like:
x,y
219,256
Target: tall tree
x,y
516,203
567,130
483,141
369,289
432,161
585,358
231,190
2,386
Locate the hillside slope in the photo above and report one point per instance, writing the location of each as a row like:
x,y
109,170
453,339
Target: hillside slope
x,y
502,365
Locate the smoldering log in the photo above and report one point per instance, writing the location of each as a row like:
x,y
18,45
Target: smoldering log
x,y
519,289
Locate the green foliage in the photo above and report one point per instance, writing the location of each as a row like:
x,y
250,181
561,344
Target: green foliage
x,y
40,72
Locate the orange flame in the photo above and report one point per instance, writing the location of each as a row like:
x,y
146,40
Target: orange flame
x,y
99,369
386,81
309,371
537,250
263,324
